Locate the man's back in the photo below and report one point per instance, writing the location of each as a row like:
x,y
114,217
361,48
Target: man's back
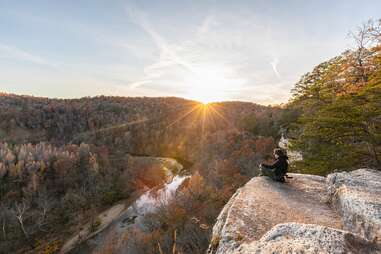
x,y
276,170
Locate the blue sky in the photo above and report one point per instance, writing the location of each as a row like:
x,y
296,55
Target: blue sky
x,y
205,50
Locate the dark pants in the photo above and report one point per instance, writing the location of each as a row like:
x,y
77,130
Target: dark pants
x,y
271,173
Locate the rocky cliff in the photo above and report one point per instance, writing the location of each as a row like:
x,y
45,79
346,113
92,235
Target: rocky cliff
x,y
309,214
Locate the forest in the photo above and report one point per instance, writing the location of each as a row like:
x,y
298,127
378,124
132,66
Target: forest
x,y
64,161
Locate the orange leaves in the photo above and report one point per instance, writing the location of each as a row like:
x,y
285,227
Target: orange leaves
x,y
264,145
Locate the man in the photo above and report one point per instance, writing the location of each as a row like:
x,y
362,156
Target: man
x,y
278,169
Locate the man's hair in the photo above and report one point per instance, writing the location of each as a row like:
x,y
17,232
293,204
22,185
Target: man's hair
x,y
280,152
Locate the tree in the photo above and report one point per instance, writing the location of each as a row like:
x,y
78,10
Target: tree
x,y
20,212
340,104
5,216
344,134
44,205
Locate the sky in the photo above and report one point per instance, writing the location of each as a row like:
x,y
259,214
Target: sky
x,y
207,50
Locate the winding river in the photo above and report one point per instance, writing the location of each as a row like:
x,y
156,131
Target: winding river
x,y
120,223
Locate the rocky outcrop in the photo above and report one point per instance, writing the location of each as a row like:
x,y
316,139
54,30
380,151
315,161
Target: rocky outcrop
x,y
308,238
357,197
308,214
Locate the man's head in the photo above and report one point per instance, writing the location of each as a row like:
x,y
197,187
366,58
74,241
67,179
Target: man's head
x,y
278,152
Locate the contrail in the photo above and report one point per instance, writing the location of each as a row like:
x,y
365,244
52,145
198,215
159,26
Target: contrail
x,y
139,19
274,64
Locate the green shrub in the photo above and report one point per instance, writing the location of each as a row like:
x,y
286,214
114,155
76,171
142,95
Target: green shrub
x,y
94,224
110,197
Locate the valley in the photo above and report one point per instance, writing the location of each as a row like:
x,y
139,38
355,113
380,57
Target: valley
x,y
81,164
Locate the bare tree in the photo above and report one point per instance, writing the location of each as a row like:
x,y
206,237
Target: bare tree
x,y
5,217
44,204
366,36
375,30
20,212
362,40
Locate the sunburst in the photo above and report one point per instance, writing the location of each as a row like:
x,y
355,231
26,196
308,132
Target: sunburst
x,y
212,82
204,114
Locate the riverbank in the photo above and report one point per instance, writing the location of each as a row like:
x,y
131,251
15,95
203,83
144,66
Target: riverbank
x,y
121,218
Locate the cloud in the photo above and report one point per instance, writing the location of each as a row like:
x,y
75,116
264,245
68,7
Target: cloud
x,y
209,22
166,51
170,66
136,84
238,51
11,52
274,64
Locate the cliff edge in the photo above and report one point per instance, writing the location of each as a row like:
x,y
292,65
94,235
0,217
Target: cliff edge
x,y
308,214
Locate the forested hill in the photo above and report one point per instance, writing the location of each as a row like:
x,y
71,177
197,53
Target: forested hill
x,y
33,118
140,125
62,162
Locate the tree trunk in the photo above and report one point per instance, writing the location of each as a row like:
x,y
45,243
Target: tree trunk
x,y
21,223
4,231
375,156
174,242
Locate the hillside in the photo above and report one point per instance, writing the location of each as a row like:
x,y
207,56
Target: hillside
x,y
63,162
335,112
137,125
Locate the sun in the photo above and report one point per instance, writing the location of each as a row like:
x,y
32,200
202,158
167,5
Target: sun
x,y
212,83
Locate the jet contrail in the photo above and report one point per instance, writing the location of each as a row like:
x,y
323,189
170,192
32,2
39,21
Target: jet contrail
x,y
274,64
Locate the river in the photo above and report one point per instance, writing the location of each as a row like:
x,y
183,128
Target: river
x,y
120,221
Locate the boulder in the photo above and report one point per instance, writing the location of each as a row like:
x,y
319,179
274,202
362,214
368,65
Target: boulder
x,y
357,197
308,214
309,239
262,203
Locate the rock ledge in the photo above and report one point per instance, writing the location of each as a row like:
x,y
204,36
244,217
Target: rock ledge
x,y
309,214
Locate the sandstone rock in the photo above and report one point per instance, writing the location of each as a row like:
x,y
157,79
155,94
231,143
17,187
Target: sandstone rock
x,y
262,203
308,238
309,214
357,197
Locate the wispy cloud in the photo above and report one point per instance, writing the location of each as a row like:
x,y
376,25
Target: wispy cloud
x,y
243,46
167,54
274,64
181,64
166,51
182,67
208,23
136,84
11,52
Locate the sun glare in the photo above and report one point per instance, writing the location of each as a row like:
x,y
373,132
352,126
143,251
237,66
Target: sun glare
x,y
212,83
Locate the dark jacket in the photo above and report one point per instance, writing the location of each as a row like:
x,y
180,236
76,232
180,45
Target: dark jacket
x,y
280,165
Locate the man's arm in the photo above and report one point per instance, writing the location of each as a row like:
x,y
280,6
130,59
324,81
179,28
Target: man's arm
x,y
271,166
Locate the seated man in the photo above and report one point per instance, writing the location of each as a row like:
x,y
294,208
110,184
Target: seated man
x,y
278,169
